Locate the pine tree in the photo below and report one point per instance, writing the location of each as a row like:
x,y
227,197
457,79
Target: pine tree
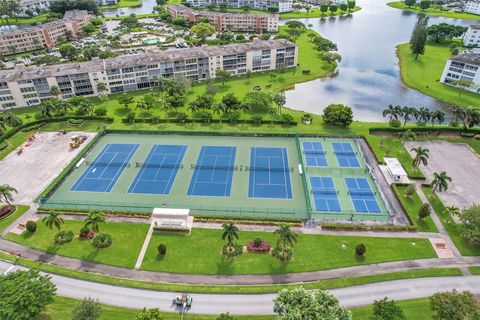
x,y
419,36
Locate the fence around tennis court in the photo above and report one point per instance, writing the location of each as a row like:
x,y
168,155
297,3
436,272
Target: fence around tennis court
x,y
144,207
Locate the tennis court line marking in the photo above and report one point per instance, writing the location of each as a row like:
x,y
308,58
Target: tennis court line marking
x,y
334,187
119,172
351,199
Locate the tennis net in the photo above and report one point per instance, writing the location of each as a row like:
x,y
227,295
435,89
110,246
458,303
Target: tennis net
x,y
158,165
214,167
361,191
107,164
345,152
324,191
247,168
314,152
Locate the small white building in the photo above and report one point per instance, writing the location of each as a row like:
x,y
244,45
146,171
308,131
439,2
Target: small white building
x,y
172,219
472,7
396,170
285,6
464,66
472,36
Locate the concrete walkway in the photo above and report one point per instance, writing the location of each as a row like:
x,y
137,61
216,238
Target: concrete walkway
x,y
253,303
267,279
141,255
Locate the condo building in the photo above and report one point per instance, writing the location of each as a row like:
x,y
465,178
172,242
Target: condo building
x,y
472,36
283,5
464,66
46,35
26,86
472,7
227,20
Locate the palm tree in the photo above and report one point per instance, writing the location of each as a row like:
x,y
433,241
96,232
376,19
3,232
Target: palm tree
x,y
6,193
407,135
279,99
219,108
63,107
48,108
86,108
93,220
421,156
2,125
230,231
287,236
193,107
471,117
407,113
392,112
453,211
12,119
55,91
53,219
437,116
440,181
457,114
424,114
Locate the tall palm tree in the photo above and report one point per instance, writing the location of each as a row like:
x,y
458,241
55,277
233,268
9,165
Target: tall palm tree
x,y
440,181
437,116
457,114
2,125
86,108
230,231
93,220
193,107
55,91
219,108
407,113
63,107
392,112
12,119
471,117
424,114
286,236
421,156
407,135
48,108
6,193
53,219
279,99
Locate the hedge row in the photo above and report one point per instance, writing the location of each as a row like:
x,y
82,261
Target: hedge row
x,y
459,130
226,121
368,228
80,212
10,133
252,219
247,221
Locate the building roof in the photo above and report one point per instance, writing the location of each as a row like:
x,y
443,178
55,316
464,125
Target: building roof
x,y
75,14
395,167
474,26
467,57
98,65
184,9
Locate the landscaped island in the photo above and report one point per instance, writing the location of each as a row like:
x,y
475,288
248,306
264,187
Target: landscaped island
x,y
434,11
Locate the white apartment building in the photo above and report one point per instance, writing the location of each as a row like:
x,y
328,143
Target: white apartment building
x,y
35,6
472,36
26,86
472,7
227,20
283,5
464,66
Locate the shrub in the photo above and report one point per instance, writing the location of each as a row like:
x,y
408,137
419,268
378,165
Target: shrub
x,y
102,240
75,121
306,71
424,211
282,254
258,245
360,249
63,237
162,249
3,145
100,112
338,115
395,123
86,233
237,250
31,226
257,242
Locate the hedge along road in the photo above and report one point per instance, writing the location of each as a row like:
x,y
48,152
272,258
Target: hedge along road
x,y
252,304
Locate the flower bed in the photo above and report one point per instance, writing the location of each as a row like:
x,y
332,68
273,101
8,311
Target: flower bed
x,y
262,247
5,211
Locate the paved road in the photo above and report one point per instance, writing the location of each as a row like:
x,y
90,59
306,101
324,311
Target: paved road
x,y
253,304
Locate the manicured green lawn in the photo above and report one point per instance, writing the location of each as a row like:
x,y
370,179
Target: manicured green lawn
x,y
450,226
199,253
124,4
5,222
423,74
42,18
315,13
61,309
435,12
127,241
475,270
13,143
412,206
415,309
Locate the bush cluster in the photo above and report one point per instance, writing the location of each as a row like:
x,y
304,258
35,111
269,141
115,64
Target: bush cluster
x,y
258,245
63,237
86,233
237,250
102,240
31,226
282,253
162,249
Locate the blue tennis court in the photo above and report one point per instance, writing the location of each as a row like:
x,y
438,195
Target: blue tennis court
x,y
345,155
362,195
213,172
102,174
269,173
314,154
325,194
158,172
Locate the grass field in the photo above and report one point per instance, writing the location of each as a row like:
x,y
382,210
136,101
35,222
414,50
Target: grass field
x,y
412,207
475,270
42,18
200,253
124,4
5,222
424,73
435,12
415,309
127,242
450,226
315,13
